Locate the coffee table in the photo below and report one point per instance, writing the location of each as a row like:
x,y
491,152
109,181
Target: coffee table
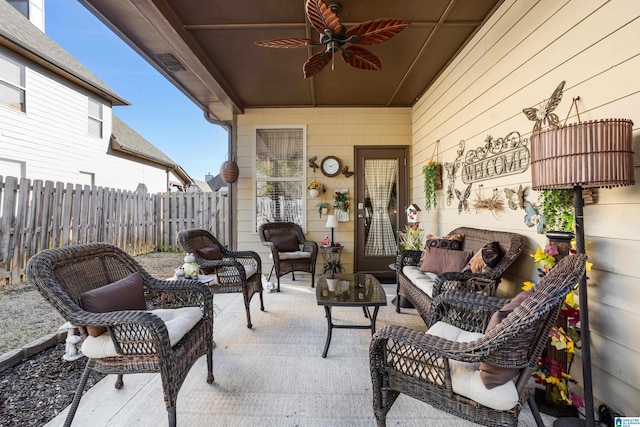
x,y
353,290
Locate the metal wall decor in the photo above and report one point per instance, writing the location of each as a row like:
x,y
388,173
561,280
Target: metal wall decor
x,y
544,114
515,197
498,157
463,204
532,218
452,169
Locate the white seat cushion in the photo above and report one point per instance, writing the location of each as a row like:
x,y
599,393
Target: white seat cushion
x,y
178,321
465,377
212,279
292,255
422,280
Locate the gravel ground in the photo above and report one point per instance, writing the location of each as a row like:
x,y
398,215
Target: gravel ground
x,y
36,390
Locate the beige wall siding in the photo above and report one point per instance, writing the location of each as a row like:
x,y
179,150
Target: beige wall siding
x,y
516,61
329,131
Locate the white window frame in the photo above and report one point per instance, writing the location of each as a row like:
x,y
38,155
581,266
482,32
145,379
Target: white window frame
x,y
93,119
302,179
20,86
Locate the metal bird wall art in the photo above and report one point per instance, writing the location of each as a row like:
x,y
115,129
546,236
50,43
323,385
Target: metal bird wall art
x,y
346,172
334,36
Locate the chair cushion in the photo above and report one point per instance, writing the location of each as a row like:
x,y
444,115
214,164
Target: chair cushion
x,y
453,241
465,377
212,279
423,280
178,321
485,259
440,261
211,253
493,376
124,294
286,243
292,255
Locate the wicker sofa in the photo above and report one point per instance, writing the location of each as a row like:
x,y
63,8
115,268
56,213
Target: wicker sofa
x,y
421,287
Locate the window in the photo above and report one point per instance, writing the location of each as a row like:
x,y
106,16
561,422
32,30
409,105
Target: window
x,y
95,118
21,6
279,175
12,87
86,178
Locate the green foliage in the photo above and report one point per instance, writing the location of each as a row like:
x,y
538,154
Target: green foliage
x,y
332,266
556,206
430,172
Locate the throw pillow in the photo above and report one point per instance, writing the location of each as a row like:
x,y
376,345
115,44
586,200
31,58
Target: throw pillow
x,y
211,253
124,294
286,243
440,261
493,376
453,241
485,259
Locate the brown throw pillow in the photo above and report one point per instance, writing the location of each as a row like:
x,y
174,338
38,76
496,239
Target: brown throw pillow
x,y
440,261
286,243
493,376
211,253
453,241
125,294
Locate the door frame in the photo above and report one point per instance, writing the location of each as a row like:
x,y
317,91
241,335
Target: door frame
x,y
359,191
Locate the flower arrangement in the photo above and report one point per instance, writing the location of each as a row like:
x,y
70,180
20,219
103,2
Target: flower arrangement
x,y
550,372
315,185
341,200
411,239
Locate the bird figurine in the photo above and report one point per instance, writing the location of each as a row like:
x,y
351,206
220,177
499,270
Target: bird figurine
x,y
345,172
312,163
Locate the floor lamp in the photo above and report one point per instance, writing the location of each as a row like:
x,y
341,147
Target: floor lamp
x,y
591,154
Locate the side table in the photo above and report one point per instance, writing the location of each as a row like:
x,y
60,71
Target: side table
x,y
331,253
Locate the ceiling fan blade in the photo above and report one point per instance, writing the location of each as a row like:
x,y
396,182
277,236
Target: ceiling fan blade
x,y
288,42
316,63
362,58
377,31
322,17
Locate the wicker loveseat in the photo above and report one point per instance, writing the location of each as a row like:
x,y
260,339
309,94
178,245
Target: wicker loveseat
x,y
421,287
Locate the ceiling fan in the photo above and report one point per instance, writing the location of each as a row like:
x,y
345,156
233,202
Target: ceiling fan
x,y
333,36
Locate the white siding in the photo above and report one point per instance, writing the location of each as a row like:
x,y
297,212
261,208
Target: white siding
x,y
516,61
52,138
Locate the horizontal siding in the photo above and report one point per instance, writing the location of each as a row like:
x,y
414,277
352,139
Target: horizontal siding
x,y
516,61
52,138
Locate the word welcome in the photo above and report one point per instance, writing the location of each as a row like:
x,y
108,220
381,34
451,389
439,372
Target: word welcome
x,y
500,157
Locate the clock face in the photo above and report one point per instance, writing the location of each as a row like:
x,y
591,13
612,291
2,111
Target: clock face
x,y
330,166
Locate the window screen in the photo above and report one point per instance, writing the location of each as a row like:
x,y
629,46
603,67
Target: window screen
x,y
279,175
12,85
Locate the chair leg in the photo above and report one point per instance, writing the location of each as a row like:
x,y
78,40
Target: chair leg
x,y
278,283
76,397
293,276
261,301
119,382
534,410
271,272
210,378
313,280
172,416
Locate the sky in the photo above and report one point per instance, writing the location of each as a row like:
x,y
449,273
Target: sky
x,y
159,111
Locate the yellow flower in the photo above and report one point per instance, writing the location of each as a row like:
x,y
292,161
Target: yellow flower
x,y
527,285
588,265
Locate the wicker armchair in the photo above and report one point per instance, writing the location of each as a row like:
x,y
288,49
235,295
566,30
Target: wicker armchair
x,y
140,341
274,234
235,271
511,245
443,369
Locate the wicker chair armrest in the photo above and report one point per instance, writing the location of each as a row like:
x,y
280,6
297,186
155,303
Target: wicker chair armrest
x,y
310,246
180,293
464,281
406,257
244,257
466,310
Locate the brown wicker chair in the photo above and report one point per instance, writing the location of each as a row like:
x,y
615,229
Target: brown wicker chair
x,y
236,271
289,261
140,338
511,245
425,365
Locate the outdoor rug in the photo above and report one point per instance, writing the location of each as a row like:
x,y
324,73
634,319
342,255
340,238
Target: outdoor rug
x,y
273,374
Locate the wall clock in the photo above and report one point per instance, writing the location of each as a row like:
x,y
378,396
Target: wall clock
x,y
330,166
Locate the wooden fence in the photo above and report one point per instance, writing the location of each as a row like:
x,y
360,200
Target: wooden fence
x,y
43,214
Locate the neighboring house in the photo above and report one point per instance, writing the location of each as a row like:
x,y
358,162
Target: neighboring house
x,y
56,120
215,182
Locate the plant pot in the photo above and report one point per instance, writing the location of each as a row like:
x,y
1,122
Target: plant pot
x,y
324,211
314,193
332,284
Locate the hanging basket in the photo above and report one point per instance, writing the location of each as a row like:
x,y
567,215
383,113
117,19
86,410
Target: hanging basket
x,y
229,171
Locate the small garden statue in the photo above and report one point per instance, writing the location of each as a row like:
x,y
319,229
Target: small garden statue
x,y
190,267
72,343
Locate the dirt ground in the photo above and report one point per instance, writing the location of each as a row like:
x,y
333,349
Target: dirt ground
x,y
25,315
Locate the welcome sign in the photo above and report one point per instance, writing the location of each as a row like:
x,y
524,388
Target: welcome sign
x,y
498,157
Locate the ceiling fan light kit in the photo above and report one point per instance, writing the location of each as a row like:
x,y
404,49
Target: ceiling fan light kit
x,y
334,36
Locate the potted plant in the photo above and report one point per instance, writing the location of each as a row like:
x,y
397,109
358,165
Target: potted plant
x,y
323,208
432,173
411,239
332,266
314,188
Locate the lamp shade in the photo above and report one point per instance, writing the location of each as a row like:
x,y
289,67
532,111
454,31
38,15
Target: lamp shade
x,y
331,222
597,153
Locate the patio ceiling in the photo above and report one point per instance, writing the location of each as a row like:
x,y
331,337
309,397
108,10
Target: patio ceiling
x,y
207,49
